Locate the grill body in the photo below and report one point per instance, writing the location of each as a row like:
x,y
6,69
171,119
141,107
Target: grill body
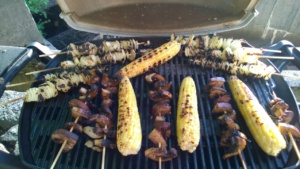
x,y
39,120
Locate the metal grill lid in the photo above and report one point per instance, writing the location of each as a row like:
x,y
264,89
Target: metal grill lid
x,y
157,18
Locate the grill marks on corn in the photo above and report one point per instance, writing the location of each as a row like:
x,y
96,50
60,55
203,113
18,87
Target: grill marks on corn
x,y
261,126
187,122
129,133
150,60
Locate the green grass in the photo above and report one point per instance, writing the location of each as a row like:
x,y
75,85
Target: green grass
x,y
37,8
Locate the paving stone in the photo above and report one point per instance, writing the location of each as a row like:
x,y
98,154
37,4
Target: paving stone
x,y
17,26
9,114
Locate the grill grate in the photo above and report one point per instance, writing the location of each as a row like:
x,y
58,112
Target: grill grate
x,y
39,120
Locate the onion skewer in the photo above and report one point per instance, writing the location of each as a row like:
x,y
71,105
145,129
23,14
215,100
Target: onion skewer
x,y
109,46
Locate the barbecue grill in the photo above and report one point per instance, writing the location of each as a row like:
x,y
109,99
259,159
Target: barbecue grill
x,y
39,120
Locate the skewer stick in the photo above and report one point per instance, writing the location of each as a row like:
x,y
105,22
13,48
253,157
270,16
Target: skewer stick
x,y
22,83
278,57
271,50
159,160
62,146
289,76
103,151
56,53
13,100
243,161
294,145
44,70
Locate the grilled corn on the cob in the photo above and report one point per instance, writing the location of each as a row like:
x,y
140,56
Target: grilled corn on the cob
x,y
261,126
150,60
129,132
187,121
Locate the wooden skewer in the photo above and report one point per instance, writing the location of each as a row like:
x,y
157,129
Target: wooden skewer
x,y
103,151
278,57
271,50
44,70
243,161
294,145
22,83
56,53
289,76
13,100
62,147
159,160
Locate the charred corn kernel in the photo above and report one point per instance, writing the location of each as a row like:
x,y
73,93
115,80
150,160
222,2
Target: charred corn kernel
x,y
150,60
129,132
261,126
187,121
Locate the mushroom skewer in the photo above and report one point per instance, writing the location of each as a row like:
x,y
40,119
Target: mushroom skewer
x,y
63,146
291,137
79,110
161,129
237,139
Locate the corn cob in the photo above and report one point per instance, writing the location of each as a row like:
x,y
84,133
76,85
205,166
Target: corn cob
x,y
129,134
150,60
261,126
187,122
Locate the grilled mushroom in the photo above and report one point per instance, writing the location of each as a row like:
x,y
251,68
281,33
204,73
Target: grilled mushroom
x,y
154,153
61,135
224,99
93,91
162,85
104,143
237,145
101,131
217,91
113,89
228,123
78,112
102,120
225,138
159,95
161,109
156,137
105,94
288,116
160,124
285,128
75,126
215,82
79,109
154,77
222,107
